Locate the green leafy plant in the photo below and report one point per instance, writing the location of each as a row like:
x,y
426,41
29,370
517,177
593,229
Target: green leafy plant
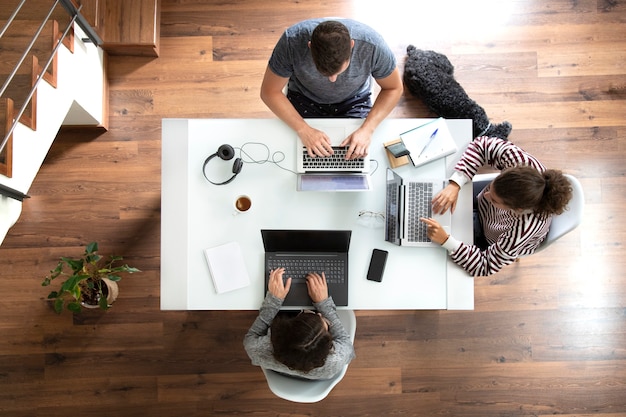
x,y
88,282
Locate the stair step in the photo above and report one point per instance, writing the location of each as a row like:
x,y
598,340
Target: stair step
x,y
33,10
18,91
17,38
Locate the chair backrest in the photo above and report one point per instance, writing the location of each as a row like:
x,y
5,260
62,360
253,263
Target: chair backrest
x,y
570,218
562,223
309,391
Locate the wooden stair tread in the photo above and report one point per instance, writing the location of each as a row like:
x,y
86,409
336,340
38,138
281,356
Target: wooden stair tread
x,y
18,36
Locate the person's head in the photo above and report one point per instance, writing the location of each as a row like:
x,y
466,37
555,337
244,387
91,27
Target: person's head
x,y
302,342
331,47
524,188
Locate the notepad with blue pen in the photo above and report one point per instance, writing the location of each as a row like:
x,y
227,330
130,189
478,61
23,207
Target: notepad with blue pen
x,y
429,142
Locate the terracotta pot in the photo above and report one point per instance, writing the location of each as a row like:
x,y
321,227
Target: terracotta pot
x,y
111,291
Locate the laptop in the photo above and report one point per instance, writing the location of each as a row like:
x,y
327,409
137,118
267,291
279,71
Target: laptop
x,y
333,173
406,202
304,251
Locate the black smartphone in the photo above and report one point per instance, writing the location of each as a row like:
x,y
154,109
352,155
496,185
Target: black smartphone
x,y
377,265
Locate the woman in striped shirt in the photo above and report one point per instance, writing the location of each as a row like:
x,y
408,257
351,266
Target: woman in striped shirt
x,y
515,210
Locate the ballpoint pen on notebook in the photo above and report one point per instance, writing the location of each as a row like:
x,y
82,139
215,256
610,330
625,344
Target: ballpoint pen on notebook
x,y
430,139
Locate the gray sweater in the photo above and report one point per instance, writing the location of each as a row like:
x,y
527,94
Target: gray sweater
x,y
259,346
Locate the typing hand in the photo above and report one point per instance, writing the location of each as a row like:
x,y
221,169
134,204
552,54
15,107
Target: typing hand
x,y
358,144
446,199
318,288
276,286
317,142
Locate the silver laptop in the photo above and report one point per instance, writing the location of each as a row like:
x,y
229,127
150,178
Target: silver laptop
x,y
336,162
406,202
334,173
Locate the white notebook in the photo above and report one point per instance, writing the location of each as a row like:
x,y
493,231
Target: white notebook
x,y
227,267
429,142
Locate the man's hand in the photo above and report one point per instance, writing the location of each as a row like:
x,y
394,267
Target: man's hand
x,y
358,143
276,286
446,199
318,289
317,142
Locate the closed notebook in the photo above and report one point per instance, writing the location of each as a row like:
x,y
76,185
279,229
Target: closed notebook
x,y
227,267
429,142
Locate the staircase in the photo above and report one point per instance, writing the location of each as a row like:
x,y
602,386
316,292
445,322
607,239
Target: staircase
x,y
73,91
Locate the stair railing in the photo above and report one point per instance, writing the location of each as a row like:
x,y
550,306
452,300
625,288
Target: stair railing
x,y
92,37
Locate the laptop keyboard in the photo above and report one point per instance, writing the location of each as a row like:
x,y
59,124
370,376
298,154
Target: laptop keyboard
x,y
334,162
420,195
297,269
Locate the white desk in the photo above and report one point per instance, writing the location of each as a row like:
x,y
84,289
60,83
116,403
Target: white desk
x,y
197,215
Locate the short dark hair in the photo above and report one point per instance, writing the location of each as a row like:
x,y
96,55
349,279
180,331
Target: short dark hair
x,y
524,188
302,342
331,46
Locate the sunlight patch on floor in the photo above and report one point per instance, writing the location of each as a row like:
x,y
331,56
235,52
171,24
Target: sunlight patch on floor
x,y
433,22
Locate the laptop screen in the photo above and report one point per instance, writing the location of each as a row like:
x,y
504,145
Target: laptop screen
x,y
333,182
306,240
392,208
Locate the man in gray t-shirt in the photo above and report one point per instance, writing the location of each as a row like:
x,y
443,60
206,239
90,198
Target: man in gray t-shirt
x,y
328,65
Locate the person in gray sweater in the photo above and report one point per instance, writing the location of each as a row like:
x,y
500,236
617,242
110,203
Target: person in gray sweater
x,y
310,346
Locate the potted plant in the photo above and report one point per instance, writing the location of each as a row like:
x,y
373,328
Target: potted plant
x,y
92,282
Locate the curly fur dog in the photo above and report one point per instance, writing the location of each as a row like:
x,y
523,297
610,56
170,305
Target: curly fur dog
x,y
429,76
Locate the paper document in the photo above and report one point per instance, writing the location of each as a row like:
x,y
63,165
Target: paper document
x,y
227,267
429,142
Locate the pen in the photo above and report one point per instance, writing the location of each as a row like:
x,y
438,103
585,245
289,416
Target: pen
x,y
432,136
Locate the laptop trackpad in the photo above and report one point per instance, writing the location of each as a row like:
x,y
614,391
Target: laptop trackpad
x,y
298,294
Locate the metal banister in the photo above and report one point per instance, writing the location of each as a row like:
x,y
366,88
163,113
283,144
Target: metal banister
x,y
11,18
12,193
32,91
25,55
77,18
81,21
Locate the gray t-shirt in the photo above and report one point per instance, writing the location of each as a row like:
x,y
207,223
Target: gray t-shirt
x,y
371,57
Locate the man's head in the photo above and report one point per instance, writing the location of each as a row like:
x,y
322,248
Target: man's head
x,y
331,47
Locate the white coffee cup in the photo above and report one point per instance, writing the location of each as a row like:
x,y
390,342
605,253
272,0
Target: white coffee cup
x,y
242,204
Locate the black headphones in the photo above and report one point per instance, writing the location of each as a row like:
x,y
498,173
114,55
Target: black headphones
x,y
225,152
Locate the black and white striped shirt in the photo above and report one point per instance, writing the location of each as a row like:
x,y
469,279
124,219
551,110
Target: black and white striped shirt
x,y
510,234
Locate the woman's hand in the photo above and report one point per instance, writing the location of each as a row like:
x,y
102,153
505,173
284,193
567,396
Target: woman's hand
x,y
275,286
435,232
446,199
318,288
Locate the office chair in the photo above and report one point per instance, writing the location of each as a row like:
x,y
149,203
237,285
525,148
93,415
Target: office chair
x,y
562,223
309,391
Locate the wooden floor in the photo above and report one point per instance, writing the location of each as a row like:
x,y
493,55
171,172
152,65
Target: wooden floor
x,y
548,334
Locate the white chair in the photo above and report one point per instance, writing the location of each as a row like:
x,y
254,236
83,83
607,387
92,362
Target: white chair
x,y
309,391
562,223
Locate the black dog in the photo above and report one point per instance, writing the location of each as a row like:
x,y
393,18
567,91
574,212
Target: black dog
x,y
429,76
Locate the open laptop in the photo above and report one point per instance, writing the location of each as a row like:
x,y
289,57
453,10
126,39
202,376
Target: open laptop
x,y
304,251
333,173
406,202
